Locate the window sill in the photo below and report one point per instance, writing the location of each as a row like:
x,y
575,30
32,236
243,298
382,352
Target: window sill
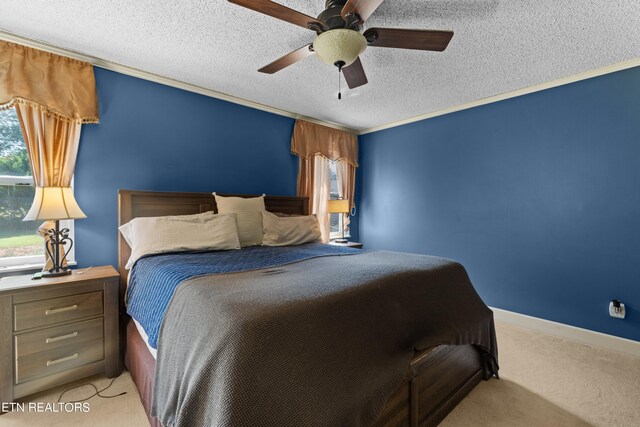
x,y
16,270
333,236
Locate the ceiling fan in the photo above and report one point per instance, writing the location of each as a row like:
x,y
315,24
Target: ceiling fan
x,y
339,39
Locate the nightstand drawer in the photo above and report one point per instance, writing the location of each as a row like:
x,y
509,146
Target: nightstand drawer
x,y
50,361
56,310
73,334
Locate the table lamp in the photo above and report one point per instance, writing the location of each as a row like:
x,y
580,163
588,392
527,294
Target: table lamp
x,y
339,206
55,203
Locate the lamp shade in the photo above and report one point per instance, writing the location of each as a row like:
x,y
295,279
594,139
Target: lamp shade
x,y
338,206
339,45
52,203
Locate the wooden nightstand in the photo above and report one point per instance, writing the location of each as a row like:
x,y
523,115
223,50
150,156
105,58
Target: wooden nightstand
x,y
57,330
348,244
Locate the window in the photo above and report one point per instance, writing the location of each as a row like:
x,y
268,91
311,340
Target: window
x,y
335,220
20,245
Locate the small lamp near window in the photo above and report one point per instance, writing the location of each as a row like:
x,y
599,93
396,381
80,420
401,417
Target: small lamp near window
x,y
55,203
339,206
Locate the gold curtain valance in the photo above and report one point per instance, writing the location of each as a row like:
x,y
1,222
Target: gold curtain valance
x,y
55,84
310,139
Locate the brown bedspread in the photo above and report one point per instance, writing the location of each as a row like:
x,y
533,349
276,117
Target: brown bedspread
x,y
321,342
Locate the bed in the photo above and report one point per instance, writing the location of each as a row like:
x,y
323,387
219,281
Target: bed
x,y
435,379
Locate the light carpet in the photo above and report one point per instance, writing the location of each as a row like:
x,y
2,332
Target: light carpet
x,y
550,381
545,381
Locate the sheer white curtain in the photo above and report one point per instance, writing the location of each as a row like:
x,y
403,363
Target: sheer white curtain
x,y
321,193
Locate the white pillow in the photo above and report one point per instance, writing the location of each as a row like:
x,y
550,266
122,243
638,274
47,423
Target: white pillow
x,y
127,229
289,230
248,215
154,235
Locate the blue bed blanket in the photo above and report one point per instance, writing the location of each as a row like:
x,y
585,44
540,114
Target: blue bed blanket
x,y
154,279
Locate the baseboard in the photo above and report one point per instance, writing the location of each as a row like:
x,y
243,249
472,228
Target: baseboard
x,y
572,333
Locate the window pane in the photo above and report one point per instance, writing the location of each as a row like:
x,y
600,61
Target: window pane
x,y
17,238
13,153
334,218
334,193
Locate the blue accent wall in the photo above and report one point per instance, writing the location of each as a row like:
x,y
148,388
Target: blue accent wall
x,y
155,137
538,196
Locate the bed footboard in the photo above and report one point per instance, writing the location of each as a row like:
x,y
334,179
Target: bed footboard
x,y
439,378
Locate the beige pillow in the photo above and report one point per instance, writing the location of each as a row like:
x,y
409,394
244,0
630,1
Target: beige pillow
x,y
248,215
289,230
154,235
284,214
127,229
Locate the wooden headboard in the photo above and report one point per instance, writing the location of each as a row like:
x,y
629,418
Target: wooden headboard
x,y
133,204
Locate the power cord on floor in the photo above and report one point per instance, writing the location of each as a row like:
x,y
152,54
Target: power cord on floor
x,y
97,393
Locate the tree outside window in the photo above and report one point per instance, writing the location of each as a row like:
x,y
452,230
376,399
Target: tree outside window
x,y
17,238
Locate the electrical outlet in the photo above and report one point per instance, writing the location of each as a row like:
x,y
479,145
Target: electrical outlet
x,y
617,312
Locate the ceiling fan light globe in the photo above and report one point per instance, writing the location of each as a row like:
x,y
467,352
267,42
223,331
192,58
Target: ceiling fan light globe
x,y
339,45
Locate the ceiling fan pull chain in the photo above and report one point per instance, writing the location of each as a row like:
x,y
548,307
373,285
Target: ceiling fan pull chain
x,y
339,64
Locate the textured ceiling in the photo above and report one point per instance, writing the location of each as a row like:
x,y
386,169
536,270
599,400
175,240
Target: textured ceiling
x,y
498,46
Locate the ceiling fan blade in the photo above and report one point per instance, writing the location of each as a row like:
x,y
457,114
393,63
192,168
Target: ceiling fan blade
x,y
288,59
278,11
354,74
408,39
363,8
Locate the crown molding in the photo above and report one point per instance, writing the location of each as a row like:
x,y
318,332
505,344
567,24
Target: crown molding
x,y
512,94
145,75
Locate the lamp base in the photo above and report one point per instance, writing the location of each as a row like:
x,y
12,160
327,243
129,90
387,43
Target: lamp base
x,y
55,273
340,241
57,238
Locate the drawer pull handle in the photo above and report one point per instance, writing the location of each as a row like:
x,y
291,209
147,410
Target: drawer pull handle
x,y
62,359
60,310
61,337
